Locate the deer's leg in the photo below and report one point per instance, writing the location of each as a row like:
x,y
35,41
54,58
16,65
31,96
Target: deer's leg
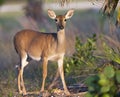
x,y
45,62
23,64
61,71
19,81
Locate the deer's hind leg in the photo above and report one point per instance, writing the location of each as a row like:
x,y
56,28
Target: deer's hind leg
x,y
23,63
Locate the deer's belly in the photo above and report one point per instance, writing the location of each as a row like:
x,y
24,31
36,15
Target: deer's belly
x,y
37,58
55,57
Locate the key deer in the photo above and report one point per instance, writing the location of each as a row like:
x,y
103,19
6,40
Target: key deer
x,y
30,44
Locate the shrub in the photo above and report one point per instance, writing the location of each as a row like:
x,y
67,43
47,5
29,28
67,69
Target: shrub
x,y
105,83
83,61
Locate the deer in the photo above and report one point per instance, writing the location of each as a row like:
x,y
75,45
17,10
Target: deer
x,y
30,44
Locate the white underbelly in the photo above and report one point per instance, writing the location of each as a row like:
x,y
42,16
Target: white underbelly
x,y
55,57
35,58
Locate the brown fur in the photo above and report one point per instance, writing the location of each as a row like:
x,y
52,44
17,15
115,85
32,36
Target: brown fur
x,y
38,44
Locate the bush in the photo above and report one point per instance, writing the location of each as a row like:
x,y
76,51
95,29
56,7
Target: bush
x,y
111,54
104,84
83,61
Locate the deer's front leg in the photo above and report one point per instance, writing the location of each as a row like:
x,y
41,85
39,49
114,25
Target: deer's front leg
x,y
61,71
45,62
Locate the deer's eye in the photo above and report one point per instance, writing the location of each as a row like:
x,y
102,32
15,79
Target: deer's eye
x,y
65,20
55,20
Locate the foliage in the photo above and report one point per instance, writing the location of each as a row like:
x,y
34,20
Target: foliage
x,y
2,1
104,84
83,57
111,54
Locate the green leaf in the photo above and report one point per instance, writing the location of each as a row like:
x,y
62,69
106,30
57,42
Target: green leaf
x,y
2,1
105,89
91,88
106,95
113,89
103,82
88,94
118,76
109,71
92,79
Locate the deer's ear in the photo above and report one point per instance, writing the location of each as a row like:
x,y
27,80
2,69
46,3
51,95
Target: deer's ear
x,y
69,14
51,14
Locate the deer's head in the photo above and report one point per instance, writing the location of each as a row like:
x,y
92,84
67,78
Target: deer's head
x,y
60,19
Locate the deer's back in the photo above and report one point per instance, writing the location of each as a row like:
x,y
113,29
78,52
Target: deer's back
x,y
23,39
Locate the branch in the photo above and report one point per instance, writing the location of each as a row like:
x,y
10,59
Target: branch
x,y
63,2
109,7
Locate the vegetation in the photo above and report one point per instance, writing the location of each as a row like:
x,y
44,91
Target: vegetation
x,y
83,57
107,80
105,83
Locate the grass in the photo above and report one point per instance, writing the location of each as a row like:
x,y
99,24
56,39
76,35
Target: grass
x,y
7,83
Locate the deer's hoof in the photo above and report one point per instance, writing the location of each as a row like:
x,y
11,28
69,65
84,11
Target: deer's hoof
x,y
24,93
20,92
67,93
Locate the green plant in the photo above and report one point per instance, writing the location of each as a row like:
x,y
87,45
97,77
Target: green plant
x,y
83,57
104,84
10,94
111,54
2,1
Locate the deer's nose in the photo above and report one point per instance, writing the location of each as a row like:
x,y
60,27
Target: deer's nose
x,y
61,27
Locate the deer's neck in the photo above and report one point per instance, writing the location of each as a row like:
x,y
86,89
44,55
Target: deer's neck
x,y
61,36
